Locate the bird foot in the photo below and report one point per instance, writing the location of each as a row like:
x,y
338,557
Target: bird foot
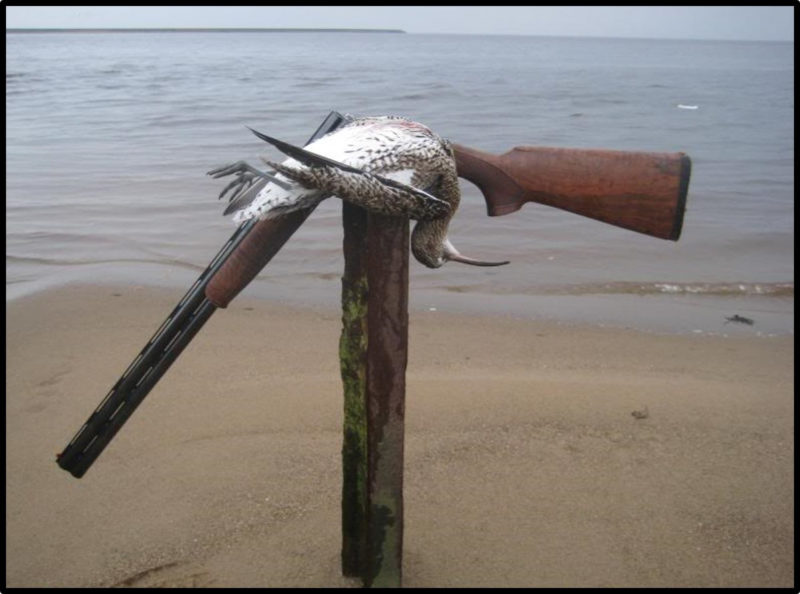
x,y
246,176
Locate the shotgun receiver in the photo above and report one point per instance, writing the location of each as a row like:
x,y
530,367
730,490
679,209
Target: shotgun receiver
x,y
644,192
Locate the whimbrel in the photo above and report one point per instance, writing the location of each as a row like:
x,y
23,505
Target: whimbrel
x,y
387,164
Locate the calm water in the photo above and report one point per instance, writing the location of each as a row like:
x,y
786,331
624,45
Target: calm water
x,y
109,137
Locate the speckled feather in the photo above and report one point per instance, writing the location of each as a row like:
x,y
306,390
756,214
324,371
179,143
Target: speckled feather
x,y
389,146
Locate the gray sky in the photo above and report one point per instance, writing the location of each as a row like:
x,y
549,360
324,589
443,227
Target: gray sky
x,y
673,22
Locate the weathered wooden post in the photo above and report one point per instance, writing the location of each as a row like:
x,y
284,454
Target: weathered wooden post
x,y
374,354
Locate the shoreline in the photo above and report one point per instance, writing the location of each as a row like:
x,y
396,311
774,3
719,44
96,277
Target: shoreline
x,y
658,313
524,463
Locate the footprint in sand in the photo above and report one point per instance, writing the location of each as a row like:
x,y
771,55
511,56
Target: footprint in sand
x,y
168,575
52,380
44,389
35,407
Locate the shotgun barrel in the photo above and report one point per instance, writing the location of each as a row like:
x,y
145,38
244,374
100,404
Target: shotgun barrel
x,y
181,326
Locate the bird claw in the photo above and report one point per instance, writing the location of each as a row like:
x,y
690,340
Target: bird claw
x,y
238,167
240,185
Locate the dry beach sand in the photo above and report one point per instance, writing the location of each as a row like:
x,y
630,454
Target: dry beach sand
x,y
524,465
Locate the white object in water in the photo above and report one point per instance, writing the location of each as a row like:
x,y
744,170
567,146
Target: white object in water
x,y
682,106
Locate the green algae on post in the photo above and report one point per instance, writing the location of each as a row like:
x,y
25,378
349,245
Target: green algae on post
x,y
352,357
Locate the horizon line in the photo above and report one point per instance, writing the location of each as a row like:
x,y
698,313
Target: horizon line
x,y
349,30
197,30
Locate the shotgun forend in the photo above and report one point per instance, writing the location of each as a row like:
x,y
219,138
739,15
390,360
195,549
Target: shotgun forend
x,y
640,191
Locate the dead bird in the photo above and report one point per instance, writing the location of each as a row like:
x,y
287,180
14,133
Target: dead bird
x,y
739,320
387,164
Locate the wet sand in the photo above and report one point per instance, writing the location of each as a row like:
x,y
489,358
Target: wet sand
x,y
524,465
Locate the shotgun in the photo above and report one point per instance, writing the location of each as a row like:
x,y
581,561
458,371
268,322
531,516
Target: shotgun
x,y
644,192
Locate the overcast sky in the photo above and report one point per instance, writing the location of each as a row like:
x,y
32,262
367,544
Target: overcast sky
x,y
773,23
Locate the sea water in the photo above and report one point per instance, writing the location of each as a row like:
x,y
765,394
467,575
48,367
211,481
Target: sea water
x,y
110,135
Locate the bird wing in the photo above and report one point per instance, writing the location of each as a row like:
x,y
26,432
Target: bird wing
x,y
417,203
366,153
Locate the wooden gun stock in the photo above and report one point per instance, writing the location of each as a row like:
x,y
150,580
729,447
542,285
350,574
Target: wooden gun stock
x,y
640,191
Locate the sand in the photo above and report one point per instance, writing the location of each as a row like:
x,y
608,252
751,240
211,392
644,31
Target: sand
x,y
524,464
